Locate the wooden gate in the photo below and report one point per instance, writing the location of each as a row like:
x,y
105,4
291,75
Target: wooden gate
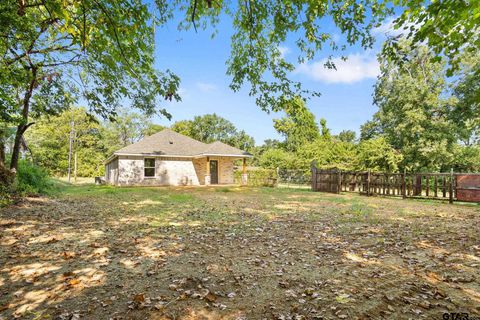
x,y
326,180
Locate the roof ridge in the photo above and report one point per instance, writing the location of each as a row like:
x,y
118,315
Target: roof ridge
x,y
170,142
176,133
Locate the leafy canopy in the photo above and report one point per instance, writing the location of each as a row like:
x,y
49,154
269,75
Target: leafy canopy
x,y
211,127
49,142
418,114
298,126
100,50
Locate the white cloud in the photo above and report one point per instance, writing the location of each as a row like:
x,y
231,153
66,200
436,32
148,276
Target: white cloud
x,y
206,87
283,51
356,68
386,28
182,92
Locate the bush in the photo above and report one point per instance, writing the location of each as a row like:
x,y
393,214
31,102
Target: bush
x,y
6,186
32,179
257,177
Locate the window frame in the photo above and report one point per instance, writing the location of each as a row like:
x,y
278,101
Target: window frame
x,y
154,168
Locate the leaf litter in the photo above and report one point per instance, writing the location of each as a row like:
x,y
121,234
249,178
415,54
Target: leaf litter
x,y
237,256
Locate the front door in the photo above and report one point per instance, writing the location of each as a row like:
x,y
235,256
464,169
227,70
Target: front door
x,y
213,171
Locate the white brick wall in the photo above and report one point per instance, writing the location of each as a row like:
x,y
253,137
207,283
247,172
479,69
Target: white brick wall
x,y
172,171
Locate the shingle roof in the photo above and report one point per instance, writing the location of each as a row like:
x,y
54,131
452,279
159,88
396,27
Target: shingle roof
x,y
170,143
218,147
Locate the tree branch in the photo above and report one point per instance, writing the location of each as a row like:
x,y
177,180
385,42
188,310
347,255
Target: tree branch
x,y
107,14
193,14
61,63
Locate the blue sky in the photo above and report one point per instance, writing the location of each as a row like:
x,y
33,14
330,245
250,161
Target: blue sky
x,y
199,60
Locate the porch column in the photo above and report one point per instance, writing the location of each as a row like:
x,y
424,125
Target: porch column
x,y
207,173
244,172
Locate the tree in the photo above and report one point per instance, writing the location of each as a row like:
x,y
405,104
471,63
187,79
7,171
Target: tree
x,y
54,52
466,113
451,28
328,153
152,128
298,126
49,141
378,155
325,131
414,110
126,128
184,127
277,158
211,127
466,158
347,136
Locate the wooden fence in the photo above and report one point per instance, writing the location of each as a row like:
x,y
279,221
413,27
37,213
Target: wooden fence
x,y
279,177
444,186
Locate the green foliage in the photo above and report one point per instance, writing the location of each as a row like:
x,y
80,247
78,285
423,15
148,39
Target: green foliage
x,y
110,51
151,128
298,126
6,186
56,52
449,28
261,28
414,111
93,141
328,153
277,158
466,114
325,131
347,136
126,128
466,158
378,155
49,142
211,127
257,177
32,179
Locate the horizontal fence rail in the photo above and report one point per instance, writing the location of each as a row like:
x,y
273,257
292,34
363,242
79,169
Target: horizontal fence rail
x,y
444,186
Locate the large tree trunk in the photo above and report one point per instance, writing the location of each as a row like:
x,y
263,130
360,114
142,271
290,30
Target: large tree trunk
x,y
23,126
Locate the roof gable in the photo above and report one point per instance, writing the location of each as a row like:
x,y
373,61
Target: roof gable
x,y
170,143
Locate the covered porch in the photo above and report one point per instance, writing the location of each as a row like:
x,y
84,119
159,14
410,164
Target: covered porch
x,y
219,169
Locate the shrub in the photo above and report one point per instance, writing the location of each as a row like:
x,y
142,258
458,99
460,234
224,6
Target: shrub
x,y
6,186
32,179
257,177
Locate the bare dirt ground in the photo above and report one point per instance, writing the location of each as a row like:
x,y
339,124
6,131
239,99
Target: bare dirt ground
x,y
231,253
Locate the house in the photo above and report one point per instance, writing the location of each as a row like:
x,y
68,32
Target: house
x,y
170,158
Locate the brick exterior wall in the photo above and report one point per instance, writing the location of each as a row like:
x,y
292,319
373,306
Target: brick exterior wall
x,y
172,171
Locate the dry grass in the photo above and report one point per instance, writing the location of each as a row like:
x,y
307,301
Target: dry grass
x,y
236,253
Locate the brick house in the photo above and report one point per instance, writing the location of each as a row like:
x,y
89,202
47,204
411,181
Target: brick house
x,y
170,158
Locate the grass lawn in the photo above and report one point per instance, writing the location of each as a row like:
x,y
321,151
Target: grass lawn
x,y
98,252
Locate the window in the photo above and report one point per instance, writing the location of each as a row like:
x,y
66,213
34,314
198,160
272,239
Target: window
x,y
149,167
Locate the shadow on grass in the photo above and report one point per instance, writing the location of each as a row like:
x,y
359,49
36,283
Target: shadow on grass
x,y
147,253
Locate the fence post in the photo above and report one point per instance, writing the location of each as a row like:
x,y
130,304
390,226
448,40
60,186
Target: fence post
x,y
339,181
368,182
404,183
278,176
314,175
450,192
